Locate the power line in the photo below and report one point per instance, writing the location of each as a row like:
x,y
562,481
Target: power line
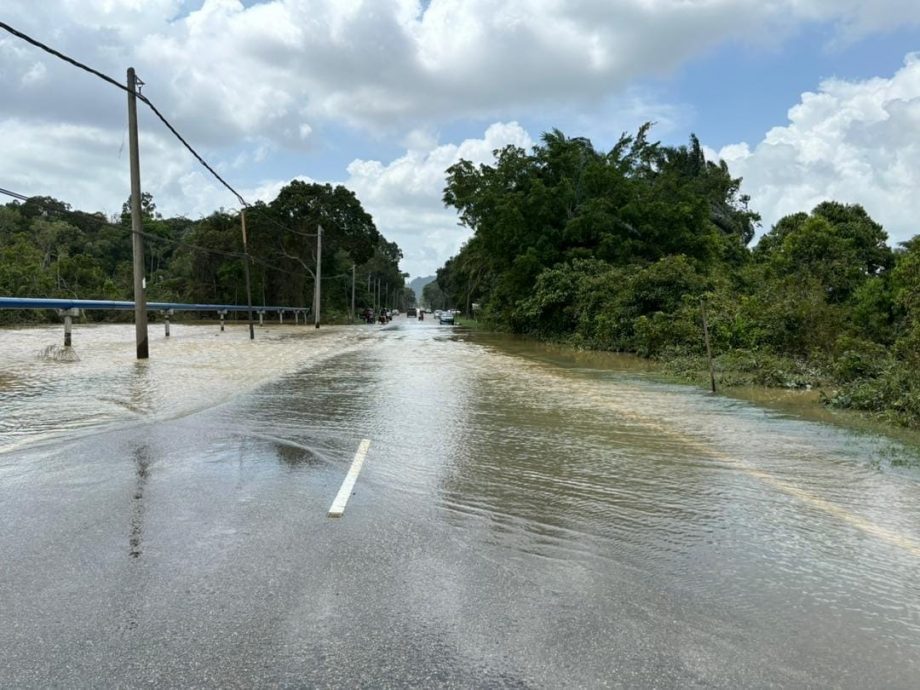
x,y
275,222
15,195
159,115
65,58
103,222
110,80
191,150
162,118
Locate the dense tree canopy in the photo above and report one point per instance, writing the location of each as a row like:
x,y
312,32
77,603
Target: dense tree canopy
x,y
615,250
49,250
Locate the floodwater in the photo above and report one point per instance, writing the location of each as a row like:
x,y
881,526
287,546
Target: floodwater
x,y
526,517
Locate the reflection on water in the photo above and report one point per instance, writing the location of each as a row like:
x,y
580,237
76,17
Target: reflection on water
x,y
745,507
571,463
576,472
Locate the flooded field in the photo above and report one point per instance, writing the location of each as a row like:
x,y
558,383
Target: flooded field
x,y
526,516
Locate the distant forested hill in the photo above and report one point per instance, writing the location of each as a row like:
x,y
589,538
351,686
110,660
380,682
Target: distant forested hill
x,y
418,284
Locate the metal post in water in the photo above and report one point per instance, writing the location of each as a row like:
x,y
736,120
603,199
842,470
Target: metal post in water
x,y
223,313
166,315
261,319
68,315
281,317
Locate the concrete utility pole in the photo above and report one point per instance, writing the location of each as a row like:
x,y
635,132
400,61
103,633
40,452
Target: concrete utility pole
x,y
319,263
137,225
252,332
352,292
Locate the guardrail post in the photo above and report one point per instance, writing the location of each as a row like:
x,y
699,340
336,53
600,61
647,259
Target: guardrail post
x,y
166,314
223,313
68,315
296,317
281,317
261,319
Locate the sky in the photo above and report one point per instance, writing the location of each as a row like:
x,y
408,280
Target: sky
x,y
807,100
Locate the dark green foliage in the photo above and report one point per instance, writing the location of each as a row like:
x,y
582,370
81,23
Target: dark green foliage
x,y
615,251
48,250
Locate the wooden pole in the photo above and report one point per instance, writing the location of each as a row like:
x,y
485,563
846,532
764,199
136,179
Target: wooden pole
x,y
712,373
252,331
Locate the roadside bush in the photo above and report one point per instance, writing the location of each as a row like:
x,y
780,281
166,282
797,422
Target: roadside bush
x,y
855,358
894,394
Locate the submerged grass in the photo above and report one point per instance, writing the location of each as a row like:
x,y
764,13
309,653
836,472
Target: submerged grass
x,y
868,392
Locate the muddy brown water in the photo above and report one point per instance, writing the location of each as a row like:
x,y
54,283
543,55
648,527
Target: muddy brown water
x,y
739,526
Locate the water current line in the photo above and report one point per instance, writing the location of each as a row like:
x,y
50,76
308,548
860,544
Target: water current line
x,y
867,526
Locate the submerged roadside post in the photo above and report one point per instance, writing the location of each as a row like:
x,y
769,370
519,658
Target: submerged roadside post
x,y
68,315
712,373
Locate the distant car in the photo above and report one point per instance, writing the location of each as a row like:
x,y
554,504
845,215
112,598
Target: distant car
x,y
446,317
411,313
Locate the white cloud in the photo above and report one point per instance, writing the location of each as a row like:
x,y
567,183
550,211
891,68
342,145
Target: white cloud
x,y
404,195
249,85
851,141
224,69
88,168
35,74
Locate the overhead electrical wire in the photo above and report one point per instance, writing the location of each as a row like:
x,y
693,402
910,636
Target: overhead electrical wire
x,y
246,205
159,238
141,97
102,221
15,195
171,128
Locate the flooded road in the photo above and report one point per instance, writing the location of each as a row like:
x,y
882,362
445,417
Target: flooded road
x,y
524,518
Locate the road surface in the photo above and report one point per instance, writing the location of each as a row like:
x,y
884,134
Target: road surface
x,y
522,518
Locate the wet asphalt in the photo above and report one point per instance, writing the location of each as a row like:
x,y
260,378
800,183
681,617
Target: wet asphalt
x,y
197,552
